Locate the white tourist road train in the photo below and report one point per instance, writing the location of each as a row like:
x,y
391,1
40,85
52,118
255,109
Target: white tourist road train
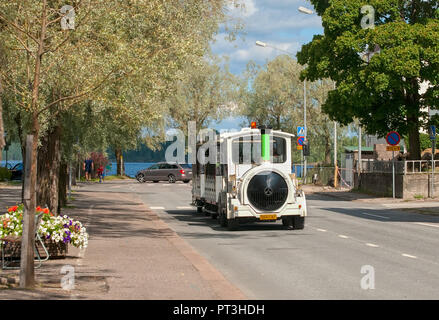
x,y
250,180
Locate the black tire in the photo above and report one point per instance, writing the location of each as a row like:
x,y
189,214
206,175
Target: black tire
x,y
171,178
288,223
223,220
199,209
141,178
186,181
155,181
214,216
232,224
298,223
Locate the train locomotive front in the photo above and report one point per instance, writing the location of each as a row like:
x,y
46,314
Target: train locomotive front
x,y
251,180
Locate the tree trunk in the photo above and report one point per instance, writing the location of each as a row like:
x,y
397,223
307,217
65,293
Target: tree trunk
x,y
2,140
49,158
74,174
119,161
63,182
327,152
412,104
414,143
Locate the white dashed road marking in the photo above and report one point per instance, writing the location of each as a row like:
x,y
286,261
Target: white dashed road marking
x,y
343,236
409,256
184,207
322,230
372,245
157,208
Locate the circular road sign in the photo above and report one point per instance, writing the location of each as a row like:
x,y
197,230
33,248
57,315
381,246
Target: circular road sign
x,y
393,138
300,141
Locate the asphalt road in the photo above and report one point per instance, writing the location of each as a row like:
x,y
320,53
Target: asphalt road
x,y
323,261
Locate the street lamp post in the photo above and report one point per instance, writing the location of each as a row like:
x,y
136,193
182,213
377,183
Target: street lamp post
x,y
264,45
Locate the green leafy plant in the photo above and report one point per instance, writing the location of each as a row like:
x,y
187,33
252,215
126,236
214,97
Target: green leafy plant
x,y
5,174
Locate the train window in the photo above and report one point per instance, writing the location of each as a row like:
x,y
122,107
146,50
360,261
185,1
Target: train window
x,y
247,150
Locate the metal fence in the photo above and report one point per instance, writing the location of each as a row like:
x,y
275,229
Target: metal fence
x,y
401,167
375,166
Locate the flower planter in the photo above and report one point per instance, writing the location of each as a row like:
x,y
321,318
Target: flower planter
x,y
56,250
50,228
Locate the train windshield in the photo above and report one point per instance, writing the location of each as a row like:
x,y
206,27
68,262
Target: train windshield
x,y
247,150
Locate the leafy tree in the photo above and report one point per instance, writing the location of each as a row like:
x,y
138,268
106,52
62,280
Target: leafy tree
x,y
321,129
2,130
273,95
276,94
382,90
204,94
130,48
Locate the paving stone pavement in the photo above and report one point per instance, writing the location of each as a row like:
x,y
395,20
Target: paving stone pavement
x,y
132,254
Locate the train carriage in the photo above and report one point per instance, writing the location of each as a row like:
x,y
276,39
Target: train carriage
x,y
248,178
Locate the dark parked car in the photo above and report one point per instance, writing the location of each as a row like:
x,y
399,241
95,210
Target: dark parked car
x,y
164,171
16,171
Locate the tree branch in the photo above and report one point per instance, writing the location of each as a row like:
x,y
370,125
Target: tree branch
x,y
2,17
77,96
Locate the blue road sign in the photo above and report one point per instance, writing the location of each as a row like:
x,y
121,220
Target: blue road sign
x,y
301,131
393,138
432,132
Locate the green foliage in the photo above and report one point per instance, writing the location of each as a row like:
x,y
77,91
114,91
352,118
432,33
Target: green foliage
x,y
425,142
275,98
204,94
384,92
5,174
104,81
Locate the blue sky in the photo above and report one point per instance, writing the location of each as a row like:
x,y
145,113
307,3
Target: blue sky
x,y
276,22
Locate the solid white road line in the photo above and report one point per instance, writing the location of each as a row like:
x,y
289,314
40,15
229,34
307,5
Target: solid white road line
x,y
185,208
427,224
374,215
409,256
372,245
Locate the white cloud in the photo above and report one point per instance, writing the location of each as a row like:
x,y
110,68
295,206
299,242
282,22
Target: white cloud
x,y
246,8
278,23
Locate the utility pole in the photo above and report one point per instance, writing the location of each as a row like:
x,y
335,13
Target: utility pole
x,y
359,153
335,156
335,150
306,129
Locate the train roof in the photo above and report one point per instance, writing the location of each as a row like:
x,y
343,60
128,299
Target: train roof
x,y
247,131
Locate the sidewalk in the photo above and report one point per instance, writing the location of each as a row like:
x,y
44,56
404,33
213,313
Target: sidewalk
x,y
132,254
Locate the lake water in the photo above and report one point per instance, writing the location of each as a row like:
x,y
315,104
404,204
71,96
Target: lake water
x,y
131,168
